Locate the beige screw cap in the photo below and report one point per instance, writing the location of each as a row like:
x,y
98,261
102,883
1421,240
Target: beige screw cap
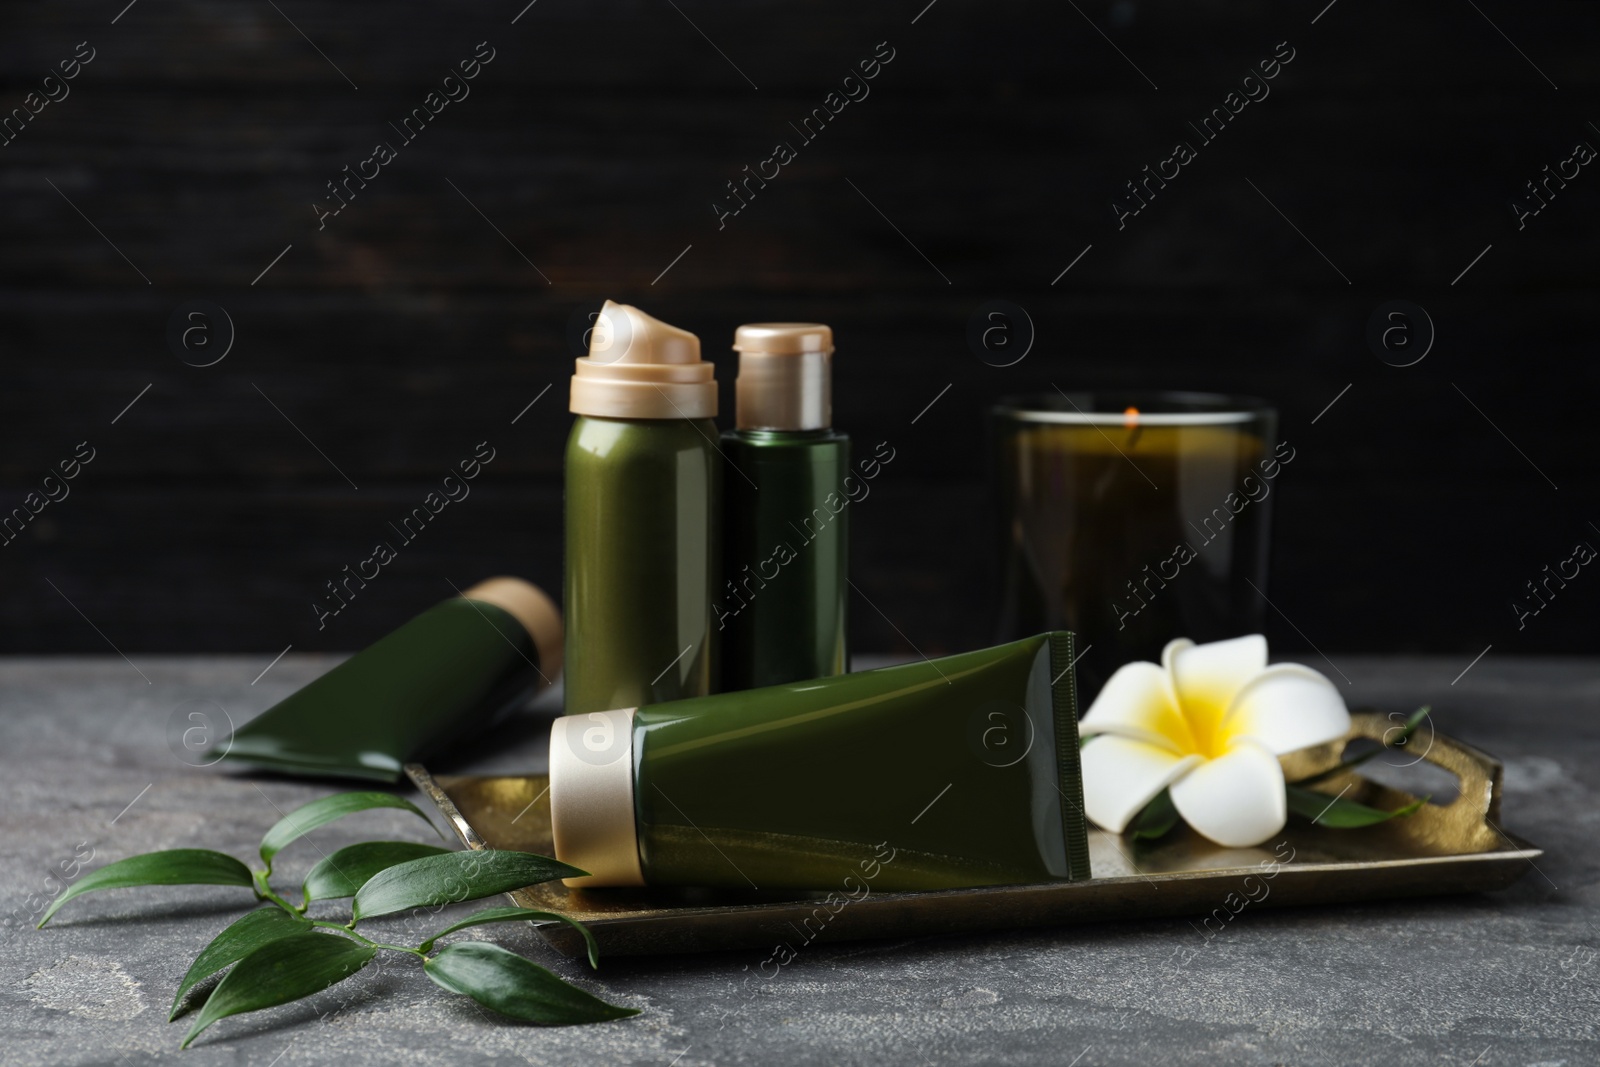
x,y
639,367
591,797
537,613
785,376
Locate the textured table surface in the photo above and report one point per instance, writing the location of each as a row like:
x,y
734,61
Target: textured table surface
x,y
1488,980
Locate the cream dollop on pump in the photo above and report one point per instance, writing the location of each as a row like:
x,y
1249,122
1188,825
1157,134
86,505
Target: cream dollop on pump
x,y
639,367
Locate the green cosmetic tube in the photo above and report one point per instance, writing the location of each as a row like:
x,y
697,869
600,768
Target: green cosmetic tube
x,y
445,675
786,521
959,771
642,484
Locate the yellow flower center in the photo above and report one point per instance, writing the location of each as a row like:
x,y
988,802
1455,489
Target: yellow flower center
x,y
1203,712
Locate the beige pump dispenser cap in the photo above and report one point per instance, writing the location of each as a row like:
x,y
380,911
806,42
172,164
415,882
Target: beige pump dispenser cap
x,y
785,376
639,367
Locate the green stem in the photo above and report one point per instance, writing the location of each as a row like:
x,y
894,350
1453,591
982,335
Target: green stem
x,y
367,940
264,892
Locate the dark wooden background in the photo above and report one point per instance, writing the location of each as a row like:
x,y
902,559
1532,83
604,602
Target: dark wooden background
x,y
409,330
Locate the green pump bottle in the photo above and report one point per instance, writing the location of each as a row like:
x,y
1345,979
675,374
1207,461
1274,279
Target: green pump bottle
x,y
642,486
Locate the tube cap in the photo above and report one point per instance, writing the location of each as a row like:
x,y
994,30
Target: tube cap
x,y
785,376
591,797
639,367
537,613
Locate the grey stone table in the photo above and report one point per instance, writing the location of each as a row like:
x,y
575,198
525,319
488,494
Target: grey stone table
x,y
1473,981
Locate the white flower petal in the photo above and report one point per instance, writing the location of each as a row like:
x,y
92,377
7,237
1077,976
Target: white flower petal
x,y
1136,702
1176,645
1173,647
1236,800
1121,776
1287,707
1206,677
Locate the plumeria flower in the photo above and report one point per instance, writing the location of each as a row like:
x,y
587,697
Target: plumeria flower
x,y
1208,723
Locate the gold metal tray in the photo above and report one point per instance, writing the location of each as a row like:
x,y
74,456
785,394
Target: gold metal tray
x,y
1451,848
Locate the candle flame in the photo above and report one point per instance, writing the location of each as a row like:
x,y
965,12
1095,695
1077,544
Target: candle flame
x,y
1130,417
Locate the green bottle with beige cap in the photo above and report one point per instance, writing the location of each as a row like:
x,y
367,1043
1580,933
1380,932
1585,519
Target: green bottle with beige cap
x,y
642,484
780,607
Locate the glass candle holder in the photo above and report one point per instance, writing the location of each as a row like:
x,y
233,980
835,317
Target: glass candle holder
x,y
1132,518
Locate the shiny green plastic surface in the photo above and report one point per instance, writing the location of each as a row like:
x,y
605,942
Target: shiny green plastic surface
x,y
445,674
642,553
959,771
780,607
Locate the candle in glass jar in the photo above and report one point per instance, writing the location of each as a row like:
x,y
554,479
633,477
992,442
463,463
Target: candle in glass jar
x,y
1132,519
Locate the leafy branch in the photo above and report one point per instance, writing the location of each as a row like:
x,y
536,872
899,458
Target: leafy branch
x,y
277,954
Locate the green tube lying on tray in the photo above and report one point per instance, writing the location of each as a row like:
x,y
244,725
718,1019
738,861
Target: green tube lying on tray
x,y
959,771
444,675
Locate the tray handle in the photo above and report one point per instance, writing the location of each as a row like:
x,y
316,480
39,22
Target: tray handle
x,y
1470,822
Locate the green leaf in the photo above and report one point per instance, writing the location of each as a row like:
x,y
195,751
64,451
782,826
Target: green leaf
x,y
506,915
1341,814
178,866
348,869
516,987
1403,736
240,939
308,817
1156,819
454,877
280,971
